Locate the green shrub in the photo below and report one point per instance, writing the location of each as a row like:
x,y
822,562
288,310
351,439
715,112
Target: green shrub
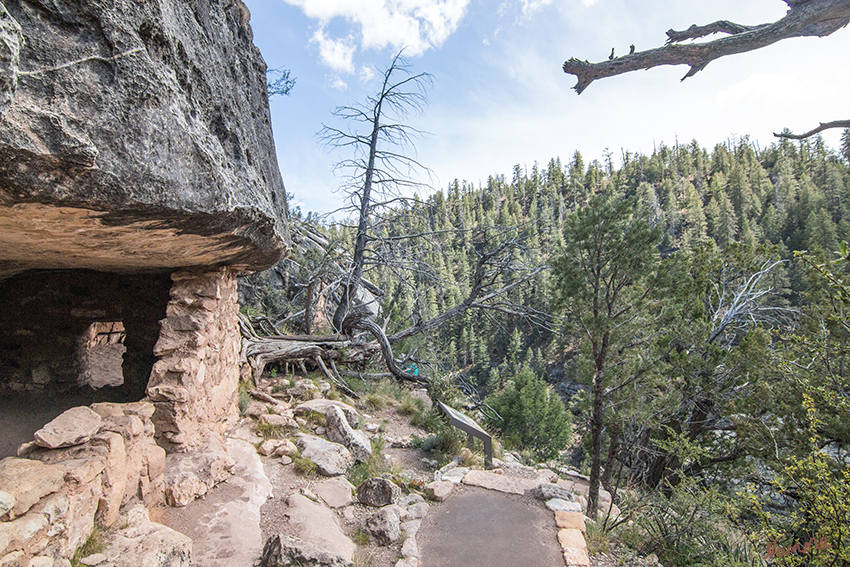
x,y
429,420
304,466
94,544
360,537
374,466
533,417
689,528
244,401
269,431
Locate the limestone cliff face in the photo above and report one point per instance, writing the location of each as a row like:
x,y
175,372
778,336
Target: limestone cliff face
x,y
135,135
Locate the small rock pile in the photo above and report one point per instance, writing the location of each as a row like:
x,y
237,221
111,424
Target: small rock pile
x,y
78,473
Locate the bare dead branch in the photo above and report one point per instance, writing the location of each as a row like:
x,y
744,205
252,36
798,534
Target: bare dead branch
x,y
387,352
339,383
823,126
804,19
720,26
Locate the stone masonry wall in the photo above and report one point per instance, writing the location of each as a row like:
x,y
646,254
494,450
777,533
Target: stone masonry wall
x,y
82,468
194,384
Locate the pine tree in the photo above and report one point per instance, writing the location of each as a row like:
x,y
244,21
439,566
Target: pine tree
x,y
601,280
533,417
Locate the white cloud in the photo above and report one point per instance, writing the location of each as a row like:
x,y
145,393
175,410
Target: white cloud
x,y
417,25
335,82
531,6
338,54
588,3
366,74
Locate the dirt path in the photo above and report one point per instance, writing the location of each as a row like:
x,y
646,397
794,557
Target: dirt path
x,y
483,527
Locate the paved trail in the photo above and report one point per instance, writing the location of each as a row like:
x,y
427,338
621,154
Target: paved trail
x,y
484,527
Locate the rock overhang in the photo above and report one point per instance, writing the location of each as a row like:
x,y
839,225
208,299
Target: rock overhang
x,y
137,138
34,236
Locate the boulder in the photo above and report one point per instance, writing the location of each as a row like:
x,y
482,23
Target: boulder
x,y
409,548
278,420
269,446
410,499
285,448
384,525
27,482
304,389
72,427
7,501
378,492
317,525
283,550
439,490
418,510
340,431
321,405
411,528
332,459
556,504
189,475
141,138
549,491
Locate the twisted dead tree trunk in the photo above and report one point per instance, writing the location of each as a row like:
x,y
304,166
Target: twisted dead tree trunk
x,y
805,18
498,250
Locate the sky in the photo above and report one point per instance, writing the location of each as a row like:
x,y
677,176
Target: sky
x,y
500,97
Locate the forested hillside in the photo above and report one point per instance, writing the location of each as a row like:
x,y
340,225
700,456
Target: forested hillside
x,y
711,359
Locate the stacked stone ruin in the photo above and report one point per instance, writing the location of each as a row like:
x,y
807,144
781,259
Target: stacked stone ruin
x,y
138,178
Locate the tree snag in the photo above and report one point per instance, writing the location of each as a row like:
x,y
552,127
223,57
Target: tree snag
x,y
805,18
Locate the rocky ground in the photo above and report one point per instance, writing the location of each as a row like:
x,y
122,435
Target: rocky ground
x,y
344,483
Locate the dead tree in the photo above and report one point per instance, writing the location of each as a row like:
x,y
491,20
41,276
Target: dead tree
x,y
499,252
379,172
805,18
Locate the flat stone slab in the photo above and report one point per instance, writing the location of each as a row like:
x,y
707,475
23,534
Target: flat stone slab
x,y
576,558
500,482
225,524
571,520
336,492
72,427
557,504
570,538
27,481
454,475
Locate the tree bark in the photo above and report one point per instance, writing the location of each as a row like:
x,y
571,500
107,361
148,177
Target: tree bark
x,y
613,446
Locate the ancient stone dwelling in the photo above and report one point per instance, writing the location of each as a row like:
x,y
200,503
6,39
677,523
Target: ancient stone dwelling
x,y
138,177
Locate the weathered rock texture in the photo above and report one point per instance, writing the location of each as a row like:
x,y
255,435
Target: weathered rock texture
x,y
194,383
55,497
135,137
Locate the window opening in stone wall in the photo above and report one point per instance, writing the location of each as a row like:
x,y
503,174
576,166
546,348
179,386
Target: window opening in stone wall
x,y
101,354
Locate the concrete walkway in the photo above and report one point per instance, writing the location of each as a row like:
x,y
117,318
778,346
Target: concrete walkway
x,y
475,526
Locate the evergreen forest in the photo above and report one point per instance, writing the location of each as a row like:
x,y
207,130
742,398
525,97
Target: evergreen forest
x,y
675,324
